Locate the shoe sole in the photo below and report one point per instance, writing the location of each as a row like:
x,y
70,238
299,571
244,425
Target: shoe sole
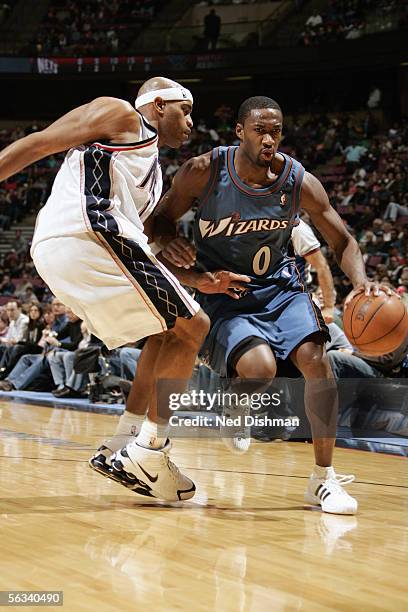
x,y
120,477
314,504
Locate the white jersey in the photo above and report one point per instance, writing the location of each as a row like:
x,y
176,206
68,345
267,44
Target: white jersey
x,y
304,243
104,187
303,239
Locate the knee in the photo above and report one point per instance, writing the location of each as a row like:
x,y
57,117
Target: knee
x,y
260,367
260,371
314,362
203,324
198,327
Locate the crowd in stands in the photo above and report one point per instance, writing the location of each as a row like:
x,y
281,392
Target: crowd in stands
x,y
95,27
23,193
348,20
362,164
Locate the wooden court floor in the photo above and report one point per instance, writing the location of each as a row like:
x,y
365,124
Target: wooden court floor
x,y
244,543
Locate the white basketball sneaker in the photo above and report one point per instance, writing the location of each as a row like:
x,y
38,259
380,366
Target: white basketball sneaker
x,y
101,463
235,434
153,470
328,493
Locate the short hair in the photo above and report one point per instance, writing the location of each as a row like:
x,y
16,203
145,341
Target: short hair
x,y
254,103
14,301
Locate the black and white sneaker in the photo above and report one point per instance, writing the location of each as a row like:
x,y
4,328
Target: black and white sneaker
x,y
153,470
101,462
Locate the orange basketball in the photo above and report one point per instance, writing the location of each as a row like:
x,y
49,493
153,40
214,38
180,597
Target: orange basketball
x,y
375,325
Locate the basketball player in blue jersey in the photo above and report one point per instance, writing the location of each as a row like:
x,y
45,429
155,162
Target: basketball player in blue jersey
x,y
91,247
248,200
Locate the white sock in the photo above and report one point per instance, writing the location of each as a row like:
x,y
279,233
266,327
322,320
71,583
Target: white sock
x,y
128,427
323,472
148,436
129,424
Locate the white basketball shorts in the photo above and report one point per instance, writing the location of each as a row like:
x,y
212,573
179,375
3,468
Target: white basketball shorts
x,y
121,291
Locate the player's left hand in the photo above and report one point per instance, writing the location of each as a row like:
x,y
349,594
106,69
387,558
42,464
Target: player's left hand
x,y
180,252
222,281
371,288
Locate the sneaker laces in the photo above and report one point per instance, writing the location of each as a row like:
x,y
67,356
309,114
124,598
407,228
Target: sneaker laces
x,y
338,480
175,472
344,478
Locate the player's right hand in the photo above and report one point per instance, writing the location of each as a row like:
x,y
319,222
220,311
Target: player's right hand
x,y
222,281
180,252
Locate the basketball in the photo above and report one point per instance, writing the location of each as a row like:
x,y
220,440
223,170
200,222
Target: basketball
x,y
375,325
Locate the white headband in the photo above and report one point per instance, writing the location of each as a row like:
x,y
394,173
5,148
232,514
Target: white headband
x,y
171,93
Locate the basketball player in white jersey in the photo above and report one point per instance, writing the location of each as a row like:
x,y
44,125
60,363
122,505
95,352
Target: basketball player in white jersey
x,y
91,247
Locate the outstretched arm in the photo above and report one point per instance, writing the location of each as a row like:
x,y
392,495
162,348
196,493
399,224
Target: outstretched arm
x,y
348,255
101,118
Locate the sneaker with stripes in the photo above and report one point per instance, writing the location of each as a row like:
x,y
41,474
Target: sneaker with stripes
x,y
328,493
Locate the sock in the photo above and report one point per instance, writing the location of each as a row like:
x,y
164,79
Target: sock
x,y
148,436
128,427
129,424
323,472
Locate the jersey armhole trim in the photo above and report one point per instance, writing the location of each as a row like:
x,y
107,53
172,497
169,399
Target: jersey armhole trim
x,y
296,191
209,188
130,146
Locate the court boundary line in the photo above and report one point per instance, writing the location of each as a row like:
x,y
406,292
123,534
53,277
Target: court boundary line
x,y
184,467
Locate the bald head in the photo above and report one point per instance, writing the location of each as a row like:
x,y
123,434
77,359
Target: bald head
x,y
161,87
156,83
167,106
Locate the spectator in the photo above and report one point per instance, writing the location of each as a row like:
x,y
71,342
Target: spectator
x,y
3,324
22,285
17,327
19,243
6,286
68,382
27,345
60,358
17,323
128,361
30,368
212,28
395,210
60,317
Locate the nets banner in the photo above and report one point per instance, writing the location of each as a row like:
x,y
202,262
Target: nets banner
x,y
109,65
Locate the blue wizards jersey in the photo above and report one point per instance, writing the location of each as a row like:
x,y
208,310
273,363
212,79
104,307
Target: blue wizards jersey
x,y
242,229
247,231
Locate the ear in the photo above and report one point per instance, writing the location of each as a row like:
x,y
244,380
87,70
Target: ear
x,y
239,130
159,105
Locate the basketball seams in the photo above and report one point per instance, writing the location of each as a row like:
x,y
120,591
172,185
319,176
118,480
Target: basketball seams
x,y
387,332
369,321
352,314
